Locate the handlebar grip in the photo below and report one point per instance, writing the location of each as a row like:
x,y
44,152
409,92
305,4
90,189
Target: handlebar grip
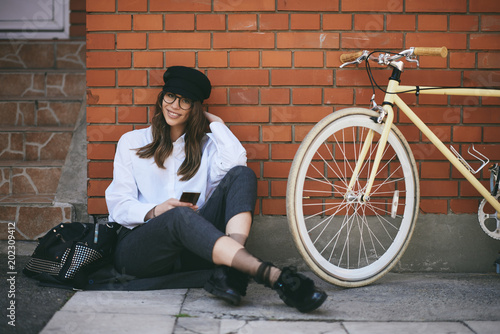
x,y
442,51
347,57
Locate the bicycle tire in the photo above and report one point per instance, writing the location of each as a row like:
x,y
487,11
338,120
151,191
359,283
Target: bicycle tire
x,y
365,228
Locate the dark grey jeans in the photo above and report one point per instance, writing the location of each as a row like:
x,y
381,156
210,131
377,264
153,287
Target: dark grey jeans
x,y
182,239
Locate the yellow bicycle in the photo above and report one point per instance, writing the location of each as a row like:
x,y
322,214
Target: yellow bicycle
x,y
353,189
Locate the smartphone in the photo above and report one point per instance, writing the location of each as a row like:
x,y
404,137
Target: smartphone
x,y
190,197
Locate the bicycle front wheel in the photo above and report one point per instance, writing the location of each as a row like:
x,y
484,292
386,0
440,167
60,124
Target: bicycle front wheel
x,y
345,240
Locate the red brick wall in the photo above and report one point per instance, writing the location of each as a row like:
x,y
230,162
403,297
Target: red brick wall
x,y
274,67
77,19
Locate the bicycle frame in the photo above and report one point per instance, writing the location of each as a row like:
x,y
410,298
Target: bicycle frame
x,y
391,98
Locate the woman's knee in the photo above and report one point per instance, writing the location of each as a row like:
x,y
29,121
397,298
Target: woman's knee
x,y
243,172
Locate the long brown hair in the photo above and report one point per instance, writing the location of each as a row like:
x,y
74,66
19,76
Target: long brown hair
x,y
161,147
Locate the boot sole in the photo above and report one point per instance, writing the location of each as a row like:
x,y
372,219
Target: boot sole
x,y
314,305
230,298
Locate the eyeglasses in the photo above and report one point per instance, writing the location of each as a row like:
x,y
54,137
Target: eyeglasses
x,y
184,102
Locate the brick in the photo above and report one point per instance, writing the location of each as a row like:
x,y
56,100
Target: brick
x,y
333,58
464,22
307,96
481,78
273,21
180,6
179,22
244,58
132,5
246,132
97,206
490,23
432,22
301,131
434,170
400,22
426,152
436,39
475,115
217,96
130,114
100,114
262,188
106,22
439,206
301,77
308,59
337,21
458,205
311,5
438,188
184,58
156,77
450,6
100,78
99,133
485,6
373,6
242,22
100,170
148,59
102,59
245,114
243,6
286,114
109,96
237,77
149,22
100,5
276,169
435,115
368,22
338,96
432,78
283,151
276,133
305,21
100,151
274,96
244,96
131,41
243,40
132,78
179,40
313,40
276,58
100,41
442,132
212,58
467,134
211,22
371,40
257,151
485,41
278,188
491,134
97,187
273,206
146,96
463,60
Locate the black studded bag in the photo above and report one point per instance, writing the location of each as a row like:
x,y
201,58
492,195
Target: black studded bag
x,y
69,252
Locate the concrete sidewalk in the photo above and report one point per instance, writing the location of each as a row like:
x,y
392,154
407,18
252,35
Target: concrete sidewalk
x,y
398,303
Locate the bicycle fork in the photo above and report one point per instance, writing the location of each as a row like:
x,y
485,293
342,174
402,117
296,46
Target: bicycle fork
x,y
387,105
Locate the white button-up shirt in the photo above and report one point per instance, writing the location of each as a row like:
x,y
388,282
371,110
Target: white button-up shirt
x,y
139,184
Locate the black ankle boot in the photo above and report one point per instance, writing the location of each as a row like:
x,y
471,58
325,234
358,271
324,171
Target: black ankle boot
x,y
298,291
228,284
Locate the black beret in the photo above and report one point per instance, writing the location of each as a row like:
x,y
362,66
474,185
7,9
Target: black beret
x,y
187,82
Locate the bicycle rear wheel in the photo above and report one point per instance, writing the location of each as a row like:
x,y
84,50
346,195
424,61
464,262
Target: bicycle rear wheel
x,y
344,240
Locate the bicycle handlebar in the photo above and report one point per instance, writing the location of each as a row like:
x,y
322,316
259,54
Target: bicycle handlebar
x,y
357,57
421,51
